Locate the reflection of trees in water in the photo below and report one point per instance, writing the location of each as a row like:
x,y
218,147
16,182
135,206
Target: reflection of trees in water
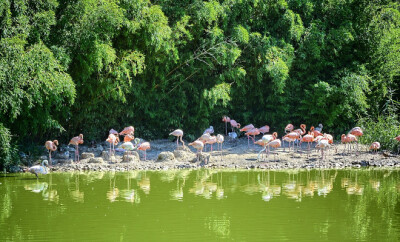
x,y
374,209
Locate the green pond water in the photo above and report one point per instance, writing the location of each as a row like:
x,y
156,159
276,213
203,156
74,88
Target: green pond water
x,y
202,205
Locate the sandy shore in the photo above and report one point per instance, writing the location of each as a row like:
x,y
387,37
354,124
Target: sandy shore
x,y
235,155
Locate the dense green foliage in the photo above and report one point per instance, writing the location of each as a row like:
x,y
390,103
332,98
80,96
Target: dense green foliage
x,y
85,66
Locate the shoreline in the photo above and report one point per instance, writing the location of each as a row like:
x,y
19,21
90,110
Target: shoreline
x,y
164,155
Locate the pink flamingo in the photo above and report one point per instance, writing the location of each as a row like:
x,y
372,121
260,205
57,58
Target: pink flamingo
x,y
220,140
294,136
375,146
178,133
264,129
77,140
289,128
226,120
234,124
348,139
316,132
261,143
198,145
128,130
356,131
265,140
245,129
144,146
287,139
51,146
276,143
212,140
128,138
302,129
309,138
253,132
113,140
322,145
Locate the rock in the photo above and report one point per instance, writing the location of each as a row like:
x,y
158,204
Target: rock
x,y
63,155
183,148
100,148
165,157
43,157
202,157
130,158
105,155
184,155
87,155
96,160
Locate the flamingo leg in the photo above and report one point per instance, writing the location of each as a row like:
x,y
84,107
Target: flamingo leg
x,y
144,154
258,157
226,128
248,141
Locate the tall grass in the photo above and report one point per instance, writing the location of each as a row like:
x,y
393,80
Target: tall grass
x,y
382,129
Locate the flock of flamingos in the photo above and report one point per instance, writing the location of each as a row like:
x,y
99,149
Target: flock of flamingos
x,y
292,136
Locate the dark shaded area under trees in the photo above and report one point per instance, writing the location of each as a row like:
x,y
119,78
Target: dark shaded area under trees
x,y
86,66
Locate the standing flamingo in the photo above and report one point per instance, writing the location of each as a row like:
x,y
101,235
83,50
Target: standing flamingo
x,y
322,145
51,146
253,132
356,131
348,139
77,140
245,129
212,140
204,138
198,145
113,140
178,133
287,139
220,140
289,128
309,138
316,132
226,120
293,135
144,146
375,146
234,124
264,129
39,169
276,143
265,140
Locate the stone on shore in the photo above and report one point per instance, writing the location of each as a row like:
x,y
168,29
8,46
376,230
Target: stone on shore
x,y
183,155
131,157
165,156
96,160
87,155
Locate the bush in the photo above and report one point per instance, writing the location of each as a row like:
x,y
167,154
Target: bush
x,y
8,151
383,130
